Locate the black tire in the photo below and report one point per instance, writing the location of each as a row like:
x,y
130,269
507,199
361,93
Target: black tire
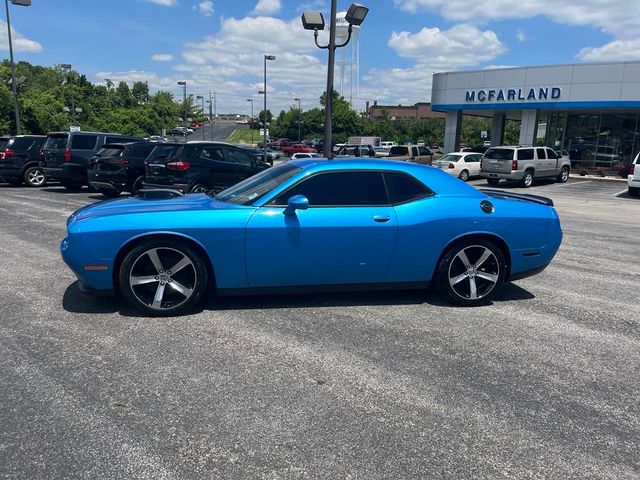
x,y
137,185
634,192
199,188
451,268
493,181
564,175
72,186
110,193
34,176
527,179
191,278
464,175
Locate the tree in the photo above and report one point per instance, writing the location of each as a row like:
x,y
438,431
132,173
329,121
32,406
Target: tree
x,y
140,91
261,116
124,98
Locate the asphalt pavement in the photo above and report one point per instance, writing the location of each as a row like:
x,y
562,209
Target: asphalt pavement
x,y
543,383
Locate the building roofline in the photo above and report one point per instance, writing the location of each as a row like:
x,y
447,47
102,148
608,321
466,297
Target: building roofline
x,y
577,64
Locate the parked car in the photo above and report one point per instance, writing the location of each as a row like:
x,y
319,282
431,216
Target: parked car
x,y
633,180
463,165
400,226
297,148
296,156
355,151
381,152
65,155
388,145
157,139
281,142
4,139
201,167
119,167
523,164
20,161
258,153
411,153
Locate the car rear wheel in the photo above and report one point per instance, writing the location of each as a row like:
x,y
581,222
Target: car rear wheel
x,y
564,175
35,177
527,180
163,277
199,188
471,272
493,181
464,175
72,186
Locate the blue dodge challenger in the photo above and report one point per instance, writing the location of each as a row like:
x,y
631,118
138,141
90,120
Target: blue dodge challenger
x,y
313,225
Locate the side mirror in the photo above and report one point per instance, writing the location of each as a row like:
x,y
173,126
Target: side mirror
x,y
297,202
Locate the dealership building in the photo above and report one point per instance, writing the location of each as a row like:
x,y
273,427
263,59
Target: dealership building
x,y
588,111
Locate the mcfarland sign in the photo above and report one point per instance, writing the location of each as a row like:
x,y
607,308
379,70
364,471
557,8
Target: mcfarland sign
x,y
513,94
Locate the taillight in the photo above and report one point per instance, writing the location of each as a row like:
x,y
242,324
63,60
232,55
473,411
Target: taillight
x,y
451,165
514,164
67,155
631,168
178,165
6,154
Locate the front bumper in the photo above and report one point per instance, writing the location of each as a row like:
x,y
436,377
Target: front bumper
x,y
79,259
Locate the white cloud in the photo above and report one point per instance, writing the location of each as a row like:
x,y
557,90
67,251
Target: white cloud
x,y
616,50
521,36
460,46
162,57
166,3
20,42
267,7
205,7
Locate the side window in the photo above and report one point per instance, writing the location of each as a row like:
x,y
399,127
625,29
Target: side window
x,y
551,154
340,189
541,153
213,153
404,188
236,156
423,151
525,154
414,151
22,143
84,142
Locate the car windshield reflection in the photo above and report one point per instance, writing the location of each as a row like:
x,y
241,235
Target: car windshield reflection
x,y
255,187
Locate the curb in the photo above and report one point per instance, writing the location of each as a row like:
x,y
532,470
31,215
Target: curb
x,y
574,176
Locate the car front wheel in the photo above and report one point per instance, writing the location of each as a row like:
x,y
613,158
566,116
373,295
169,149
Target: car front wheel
x,y
471,272
564,175
163,277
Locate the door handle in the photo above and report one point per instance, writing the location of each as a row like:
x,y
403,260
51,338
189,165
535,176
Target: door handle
x,y
381,218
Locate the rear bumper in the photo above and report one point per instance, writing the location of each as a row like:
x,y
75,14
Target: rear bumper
x,y
70,171
513,175
102,181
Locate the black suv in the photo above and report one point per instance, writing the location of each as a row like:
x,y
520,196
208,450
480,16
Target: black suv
x,y
200,167
118,167
20,161
65,155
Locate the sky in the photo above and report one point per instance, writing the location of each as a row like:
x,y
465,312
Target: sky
x,y
218,45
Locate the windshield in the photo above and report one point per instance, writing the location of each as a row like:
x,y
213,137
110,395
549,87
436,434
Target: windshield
x,y
450,158
110,152
255,187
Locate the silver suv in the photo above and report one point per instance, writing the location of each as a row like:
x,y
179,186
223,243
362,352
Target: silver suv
x,y
523,164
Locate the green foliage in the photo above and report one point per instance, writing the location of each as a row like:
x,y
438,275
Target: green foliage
x,y
114,108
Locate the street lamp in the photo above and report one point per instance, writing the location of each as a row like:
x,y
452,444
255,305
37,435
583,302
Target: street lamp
x,y
264,118
14,84
299,119
183,84
201,98
251,123
315,21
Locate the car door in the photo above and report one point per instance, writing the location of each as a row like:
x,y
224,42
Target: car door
x,y
347,236
543,164
472,163
552,156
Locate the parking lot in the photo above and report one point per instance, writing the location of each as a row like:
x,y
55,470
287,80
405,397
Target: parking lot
x,y
542,383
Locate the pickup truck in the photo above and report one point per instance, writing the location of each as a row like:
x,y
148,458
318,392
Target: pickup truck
x,y
411,153
633,180
297,148
523,164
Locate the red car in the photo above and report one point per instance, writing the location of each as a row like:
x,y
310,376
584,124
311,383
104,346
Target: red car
x,y
297,148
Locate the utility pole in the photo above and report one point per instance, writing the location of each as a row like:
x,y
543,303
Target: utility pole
x,y
299,119
251,123
264,118
14,83
211,120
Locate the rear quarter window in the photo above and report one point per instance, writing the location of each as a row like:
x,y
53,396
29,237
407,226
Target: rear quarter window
x,y
56,142
525,154
398,151
84,142
404,188
499,154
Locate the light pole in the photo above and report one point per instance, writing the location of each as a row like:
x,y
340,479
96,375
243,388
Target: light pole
x,y
183,84
201,98
14,84
264,118
251,123
299,119
315,21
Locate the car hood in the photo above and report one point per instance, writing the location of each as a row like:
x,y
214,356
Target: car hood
x,y
133,205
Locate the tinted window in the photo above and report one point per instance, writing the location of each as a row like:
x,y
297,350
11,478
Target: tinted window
x,y
141,150
56,142
472,158
20,143
110,152
404,188
398,151
541,154
499,154
551,154
120,139
414,151
161,151
340,188
237,156
525,154
84,142
424,151
211,153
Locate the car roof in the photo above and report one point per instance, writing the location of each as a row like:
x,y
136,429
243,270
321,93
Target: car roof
x,y
440,182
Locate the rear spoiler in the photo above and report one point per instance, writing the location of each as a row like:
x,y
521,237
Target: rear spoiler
x,y
517,196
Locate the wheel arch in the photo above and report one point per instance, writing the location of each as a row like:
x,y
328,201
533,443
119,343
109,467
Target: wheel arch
x,y
492,237
135,241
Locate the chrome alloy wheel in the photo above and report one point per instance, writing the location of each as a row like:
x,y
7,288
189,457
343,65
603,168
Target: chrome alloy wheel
x,y
474,272
163,278
35,177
